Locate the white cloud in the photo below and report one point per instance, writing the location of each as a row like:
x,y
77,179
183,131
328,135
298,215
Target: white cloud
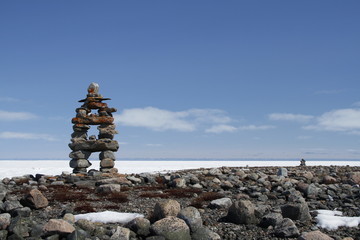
x,y
290,117
347,120
208,115
26,136
221,128
254,127
11,116
161,120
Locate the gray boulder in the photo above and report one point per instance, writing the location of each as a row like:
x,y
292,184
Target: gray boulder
x,y
271,219
133,179
10,205
80,154
86,225
282,172
314,235
220,203
286,229
204,233
3,234
3,192
19,226
192,218
5,219
155,238
140,226
296,211
22,212
166,208
79,163
242,212
78,234
312,191
94,146
297,208
121,234
215,172
108,188
171,228
107,154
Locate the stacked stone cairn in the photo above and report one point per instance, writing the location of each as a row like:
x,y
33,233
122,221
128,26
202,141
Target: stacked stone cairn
x,y
81,145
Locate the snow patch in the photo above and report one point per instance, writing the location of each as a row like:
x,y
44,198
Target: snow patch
x,y
108,217
331,220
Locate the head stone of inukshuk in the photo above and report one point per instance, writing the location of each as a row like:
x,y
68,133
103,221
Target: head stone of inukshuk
x,y
81,145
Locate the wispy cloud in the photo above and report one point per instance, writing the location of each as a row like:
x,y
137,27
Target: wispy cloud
x,y
221,129
255,127
290,117
14,116
160,120
26,136
346,120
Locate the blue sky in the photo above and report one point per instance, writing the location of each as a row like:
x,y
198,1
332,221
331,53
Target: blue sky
x,y
190,79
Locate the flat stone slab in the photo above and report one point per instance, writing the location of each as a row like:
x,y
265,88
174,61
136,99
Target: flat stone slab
x,y
93,120
94,146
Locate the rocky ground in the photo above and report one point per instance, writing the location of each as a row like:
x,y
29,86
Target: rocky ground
x,y
219,203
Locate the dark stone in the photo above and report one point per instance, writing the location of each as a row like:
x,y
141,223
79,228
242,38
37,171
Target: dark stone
x,y
286,229
78,234
192,218
3,234
19,226
242,212
141,226
22,212
271,219
10,205
80,154
204,233
107,154
94,146
79,163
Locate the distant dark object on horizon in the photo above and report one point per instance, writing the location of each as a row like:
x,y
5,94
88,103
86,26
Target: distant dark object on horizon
x,y
302,162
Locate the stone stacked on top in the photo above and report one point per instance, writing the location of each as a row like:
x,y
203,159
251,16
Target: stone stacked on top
x,y
81,145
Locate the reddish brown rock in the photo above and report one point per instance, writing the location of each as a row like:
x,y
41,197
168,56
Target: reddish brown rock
x,y
355,177
93,120
314,235
35,199
329,180
59,226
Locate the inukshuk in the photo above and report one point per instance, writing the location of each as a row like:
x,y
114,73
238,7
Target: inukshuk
x,y
81,145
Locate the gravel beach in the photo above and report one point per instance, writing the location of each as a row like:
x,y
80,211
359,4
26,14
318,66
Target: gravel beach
x,y
216,203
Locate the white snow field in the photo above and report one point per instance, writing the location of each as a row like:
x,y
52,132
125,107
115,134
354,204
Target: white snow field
x,y
332,220
108,217
13,168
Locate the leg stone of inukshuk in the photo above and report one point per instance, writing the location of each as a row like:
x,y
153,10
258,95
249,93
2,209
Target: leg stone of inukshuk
x,y
81,145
